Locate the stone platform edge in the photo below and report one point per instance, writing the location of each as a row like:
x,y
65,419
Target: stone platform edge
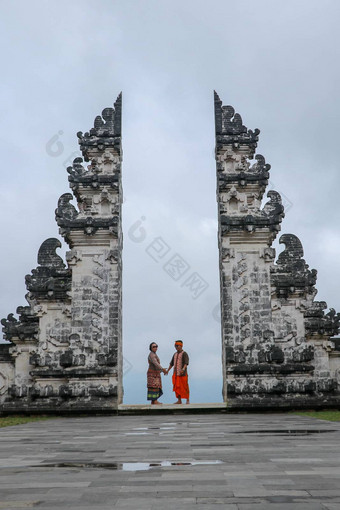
x,y
147,409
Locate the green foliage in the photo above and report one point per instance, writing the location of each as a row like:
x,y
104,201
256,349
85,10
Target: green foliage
x,y
321,415
8,421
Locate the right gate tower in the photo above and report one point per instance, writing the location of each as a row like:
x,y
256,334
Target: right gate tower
x,y
278,345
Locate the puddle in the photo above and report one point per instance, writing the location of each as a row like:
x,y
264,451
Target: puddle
x,y
136,433
31,441
153,428
143,466
205,445
69,450
285,432
129,466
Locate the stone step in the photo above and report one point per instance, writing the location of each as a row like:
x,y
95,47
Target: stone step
x,y
210,407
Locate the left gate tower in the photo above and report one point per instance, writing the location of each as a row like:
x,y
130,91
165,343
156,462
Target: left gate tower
x,y
65,349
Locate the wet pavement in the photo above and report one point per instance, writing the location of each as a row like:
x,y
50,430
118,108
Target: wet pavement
x,y
199,461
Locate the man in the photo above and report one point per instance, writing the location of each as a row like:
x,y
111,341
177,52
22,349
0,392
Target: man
x,y
180,361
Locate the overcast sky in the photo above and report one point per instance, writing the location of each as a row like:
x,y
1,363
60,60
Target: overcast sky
x,y
276,62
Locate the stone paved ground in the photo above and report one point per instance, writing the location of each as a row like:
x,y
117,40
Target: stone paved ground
x,y
100,463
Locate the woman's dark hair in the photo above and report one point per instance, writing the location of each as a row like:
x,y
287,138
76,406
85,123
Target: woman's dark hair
x,y
150,346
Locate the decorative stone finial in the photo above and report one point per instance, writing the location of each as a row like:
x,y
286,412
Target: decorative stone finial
x,y
274,210
65,211
26,328
292,274
318,323
229,127
50,280
293,252
106,132
47,254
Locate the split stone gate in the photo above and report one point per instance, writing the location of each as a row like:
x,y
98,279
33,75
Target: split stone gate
x,y
64,350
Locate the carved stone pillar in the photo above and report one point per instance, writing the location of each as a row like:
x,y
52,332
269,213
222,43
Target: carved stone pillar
x,y
67,345
269,356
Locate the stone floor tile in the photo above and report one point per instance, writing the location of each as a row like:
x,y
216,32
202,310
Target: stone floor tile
x,y
7,505
216,501
330,493
259,471
280,506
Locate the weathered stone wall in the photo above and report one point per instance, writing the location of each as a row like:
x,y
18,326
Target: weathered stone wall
x,y
6,371
66,347
277,341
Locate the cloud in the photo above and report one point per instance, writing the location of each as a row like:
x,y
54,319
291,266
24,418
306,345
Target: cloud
x,y
65,62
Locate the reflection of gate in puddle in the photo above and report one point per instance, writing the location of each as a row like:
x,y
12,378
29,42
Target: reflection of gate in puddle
x,y
128,466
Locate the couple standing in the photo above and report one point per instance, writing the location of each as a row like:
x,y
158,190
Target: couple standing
x,y
179,361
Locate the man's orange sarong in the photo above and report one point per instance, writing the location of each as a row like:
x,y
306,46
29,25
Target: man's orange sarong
x,y
180,385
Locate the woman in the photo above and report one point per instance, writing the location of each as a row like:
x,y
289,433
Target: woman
x,y
154,375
